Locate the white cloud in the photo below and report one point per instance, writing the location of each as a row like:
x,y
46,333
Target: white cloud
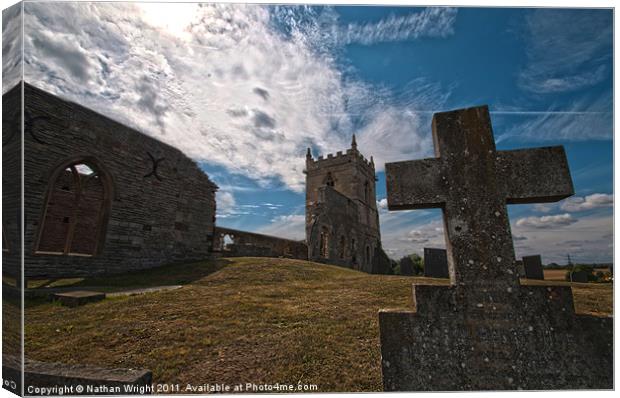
x,y
407,232
224,85
589,202
543,207
226,202
382,204
430,22
11,47
567,49
291,226
554,221
588,239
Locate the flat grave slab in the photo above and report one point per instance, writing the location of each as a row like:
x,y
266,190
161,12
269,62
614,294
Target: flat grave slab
x,y
78,297
78,379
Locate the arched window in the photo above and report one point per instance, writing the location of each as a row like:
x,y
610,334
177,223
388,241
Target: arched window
x,y
367,192
342,247
76,211
227,242
324,248
367,254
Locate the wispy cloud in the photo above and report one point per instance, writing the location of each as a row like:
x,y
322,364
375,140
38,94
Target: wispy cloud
x,y
430,22
584,119
238,86
290,226
11,46
567,49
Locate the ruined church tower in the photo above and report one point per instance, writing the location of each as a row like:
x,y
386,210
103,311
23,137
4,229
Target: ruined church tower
x,y
342,221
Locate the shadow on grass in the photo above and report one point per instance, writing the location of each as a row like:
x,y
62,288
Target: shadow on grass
x,y
167,275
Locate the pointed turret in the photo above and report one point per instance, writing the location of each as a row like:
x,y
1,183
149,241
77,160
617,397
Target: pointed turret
x,y
353,143
309,154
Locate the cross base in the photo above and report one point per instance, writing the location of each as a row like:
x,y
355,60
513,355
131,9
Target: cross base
x,y
488,338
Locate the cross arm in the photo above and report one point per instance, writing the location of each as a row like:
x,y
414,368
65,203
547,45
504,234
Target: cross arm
x,y
416,184
534,175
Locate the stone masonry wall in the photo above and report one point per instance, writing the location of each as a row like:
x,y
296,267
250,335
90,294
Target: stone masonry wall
x,y
257,245
342,221
349,243
161,208
11,182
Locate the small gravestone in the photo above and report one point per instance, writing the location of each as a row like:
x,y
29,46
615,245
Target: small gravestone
x,y
579,277
406,266
485,331
77,298
435,263
532,266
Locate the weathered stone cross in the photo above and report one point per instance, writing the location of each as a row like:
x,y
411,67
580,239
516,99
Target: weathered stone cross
x,y
485,331
472,183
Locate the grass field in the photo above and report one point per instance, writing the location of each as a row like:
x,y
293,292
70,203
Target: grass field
x,y
241,320
560,274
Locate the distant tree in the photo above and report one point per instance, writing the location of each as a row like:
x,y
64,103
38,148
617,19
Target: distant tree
x,y
588,269
395,267
418,264
411,264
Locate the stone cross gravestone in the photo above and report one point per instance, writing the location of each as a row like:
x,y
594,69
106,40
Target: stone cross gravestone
x,y
532,266
485,331
435,263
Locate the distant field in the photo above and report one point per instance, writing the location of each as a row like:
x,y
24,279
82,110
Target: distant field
x,y
242,320
559,274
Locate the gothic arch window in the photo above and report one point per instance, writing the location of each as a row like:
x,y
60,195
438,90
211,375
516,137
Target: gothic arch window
x,y
75,215
342,247
367,254
324,248
367,192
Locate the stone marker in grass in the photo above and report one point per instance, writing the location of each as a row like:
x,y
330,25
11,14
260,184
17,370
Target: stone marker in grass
x,y
51,378
485,331
77,298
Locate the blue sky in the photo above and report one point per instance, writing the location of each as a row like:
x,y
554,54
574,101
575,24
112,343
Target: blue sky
x,y
244,90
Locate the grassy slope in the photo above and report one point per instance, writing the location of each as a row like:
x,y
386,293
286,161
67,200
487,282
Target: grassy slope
x,y
242,320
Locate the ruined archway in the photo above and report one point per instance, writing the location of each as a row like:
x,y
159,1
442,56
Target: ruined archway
x,y
76,209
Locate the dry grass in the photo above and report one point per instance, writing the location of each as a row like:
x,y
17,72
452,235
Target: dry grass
x,y
243,320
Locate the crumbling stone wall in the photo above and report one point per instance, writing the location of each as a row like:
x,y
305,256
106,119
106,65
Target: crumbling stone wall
x,y
11,183
159,207
250,244
342,221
